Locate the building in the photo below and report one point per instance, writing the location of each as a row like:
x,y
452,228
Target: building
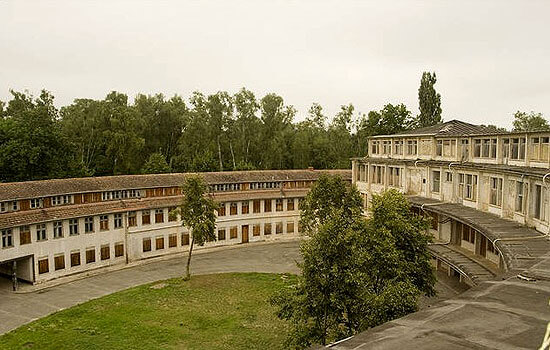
x,y
55,228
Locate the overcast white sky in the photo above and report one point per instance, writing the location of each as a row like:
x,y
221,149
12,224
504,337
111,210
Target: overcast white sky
x,y
491,57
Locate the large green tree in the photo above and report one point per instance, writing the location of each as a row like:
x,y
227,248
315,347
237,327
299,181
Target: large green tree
x,y
156,164
198,214
429,101
389,120
530,122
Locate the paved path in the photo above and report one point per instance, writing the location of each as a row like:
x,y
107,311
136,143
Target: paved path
x,y
19,309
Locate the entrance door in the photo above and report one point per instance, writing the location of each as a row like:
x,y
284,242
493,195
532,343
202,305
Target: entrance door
x,y
482,245
244,230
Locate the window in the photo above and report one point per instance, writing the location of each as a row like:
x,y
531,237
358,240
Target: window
x,y
41,232
495,191
233,209
490,247
132,219
14,205
146,245
172,214
90,255
104,222
394,178
105,252
89,224
398,147
221,209
485,148
73,227
145,217
36,203
378,174
256,206
519,197
159,216
375,145
233,232
172,240
539,149
386,147
244,207
290,227
3,207
517,148
59,262
448,176
267,205
119,250
184,239
159,243
505,148
256,230
221,234
24,235
7,238
278,204
540,203
43,266
57,229
290,204
436,181
439,148
75,259
267,229
471,187
278,228
118,220
62,200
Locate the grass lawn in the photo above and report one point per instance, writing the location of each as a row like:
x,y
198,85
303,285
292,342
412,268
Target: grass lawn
x,y
223,311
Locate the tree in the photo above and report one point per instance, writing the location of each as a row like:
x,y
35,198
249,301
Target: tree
x,y
389,120
355,276
429,101
530,122
197,212
156,164
329,192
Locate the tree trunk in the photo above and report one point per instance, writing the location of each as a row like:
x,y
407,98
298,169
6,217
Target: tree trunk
x,y
232,155
220,153
187,271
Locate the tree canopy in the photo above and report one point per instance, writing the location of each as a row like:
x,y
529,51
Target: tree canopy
x,y
530,122
429,102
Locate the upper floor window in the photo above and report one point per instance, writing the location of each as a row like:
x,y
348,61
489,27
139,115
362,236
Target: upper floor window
x,y
58,229
62,200
539,149
41,232
513,148
485,148
89,224
520,202
394,178
375,147
7,238
540,203
159,216
386,147
145,217
233,208
3,207
221,209
378,174
36,203
398,148
436,181
132,219
104,222
495,193
412,147
467,186
244,207
278,204
24,235
73,227
118,220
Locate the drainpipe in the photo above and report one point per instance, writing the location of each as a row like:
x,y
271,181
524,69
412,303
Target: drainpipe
x,y
544,183
125,218
450,170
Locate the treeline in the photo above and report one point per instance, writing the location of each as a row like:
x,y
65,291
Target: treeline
x,y
155,134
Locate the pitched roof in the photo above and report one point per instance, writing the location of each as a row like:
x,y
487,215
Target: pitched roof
x,y
450,128
45,188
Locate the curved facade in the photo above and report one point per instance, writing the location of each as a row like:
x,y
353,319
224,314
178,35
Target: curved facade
x,y
55,228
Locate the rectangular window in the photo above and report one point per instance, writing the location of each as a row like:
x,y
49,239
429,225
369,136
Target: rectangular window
x,y
412,147
59,262
75,259
436,181
519,197
145,217
90,255
119,250
58,229
495,193
448,176
221,209
233,209
43,266
105,252
540,203
184,239
159,243
439,148
104,222
36,203
278,204
172,240
477,148
471,187
118,220
89,224
256,230
146,245
172,214
394,178
290,227
256,206
233,232
132,219
278,228
7,238
267,229
505,148
159,216
73,227
3,207
24,235
267,205
290,204
62,200
221,234
244,207
41,232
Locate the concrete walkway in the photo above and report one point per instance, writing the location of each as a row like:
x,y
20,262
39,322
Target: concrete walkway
x,y
19,309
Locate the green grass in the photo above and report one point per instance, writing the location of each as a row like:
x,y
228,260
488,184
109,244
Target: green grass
x,y
224,311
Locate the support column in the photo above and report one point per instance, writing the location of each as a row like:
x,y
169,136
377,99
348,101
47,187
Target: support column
x,y
14,275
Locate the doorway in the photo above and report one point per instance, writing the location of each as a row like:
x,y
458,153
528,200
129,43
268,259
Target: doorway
x,y
244,234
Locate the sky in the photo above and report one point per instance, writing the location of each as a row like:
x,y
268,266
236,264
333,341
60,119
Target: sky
x,y
491,58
